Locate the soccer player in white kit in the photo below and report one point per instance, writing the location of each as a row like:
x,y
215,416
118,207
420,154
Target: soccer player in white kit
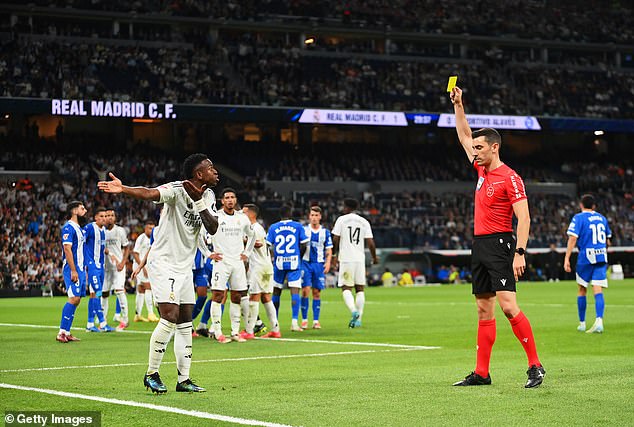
x,y
187,205
117,250
260,279
350,235
144,289
230,254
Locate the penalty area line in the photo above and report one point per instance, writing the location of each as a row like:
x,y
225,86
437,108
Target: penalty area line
x,y
236,359
170,409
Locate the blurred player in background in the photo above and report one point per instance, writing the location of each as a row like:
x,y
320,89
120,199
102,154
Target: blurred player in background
x,y
230,255
590,232
260,279
350,234
73,270
315,265
117,251
94,257
143,288
202,269
187,205
497,257
289,242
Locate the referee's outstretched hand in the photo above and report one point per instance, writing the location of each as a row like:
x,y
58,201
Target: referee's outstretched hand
x,y
114,186
193,191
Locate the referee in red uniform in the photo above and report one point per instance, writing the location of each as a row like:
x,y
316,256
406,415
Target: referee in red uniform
x,y
497,257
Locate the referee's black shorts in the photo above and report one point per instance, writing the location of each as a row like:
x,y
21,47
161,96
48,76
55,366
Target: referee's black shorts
x,y
492,263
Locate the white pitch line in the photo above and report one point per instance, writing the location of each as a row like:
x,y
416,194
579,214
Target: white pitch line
x,y
358,343
171,409
237,359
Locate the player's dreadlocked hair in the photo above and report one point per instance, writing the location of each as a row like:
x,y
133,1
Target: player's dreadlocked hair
x,y
191,163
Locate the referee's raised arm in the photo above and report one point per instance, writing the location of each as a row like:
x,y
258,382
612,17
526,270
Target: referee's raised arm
x,y
462,126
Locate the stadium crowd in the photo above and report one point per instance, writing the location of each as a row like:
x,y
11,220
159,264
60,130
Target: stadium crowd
x,y
30,216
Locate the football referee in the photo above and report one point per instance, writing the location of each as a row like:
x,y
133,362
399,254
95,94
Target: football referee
x,y
498,259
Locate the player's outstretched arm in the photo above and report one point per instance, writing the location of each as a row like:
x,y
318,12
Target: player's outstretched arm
x,y
116,187
209,220
462,125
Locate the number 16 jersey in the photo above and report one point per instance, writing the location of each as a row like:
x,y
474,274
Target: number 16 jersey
x,y
352,230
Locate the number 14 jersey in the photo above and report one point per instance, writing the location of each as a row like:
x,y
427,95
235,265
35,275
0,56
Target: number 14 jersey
x,y
352,230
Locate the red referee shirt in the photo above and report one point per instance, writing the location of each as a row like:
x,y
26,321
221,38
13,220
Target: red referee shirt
x,y
495,194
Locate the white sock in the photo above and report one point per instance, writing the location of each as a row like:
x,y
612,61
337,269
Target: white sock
x,y
216,318
235,311
90,325
244,309
123,302
149,301
349,300
158,343
138,303
272,315
183,349
360,303
599,321
254,308
104,306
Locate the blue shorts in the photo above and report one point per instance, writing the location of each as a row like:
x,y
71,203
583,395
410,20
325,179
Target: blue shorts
x,y
313,275
95,278
74,289
294,278
201,277
594,274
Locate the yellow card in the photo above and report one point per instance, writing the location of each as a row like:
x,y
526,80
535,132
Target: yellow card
x,y
452,83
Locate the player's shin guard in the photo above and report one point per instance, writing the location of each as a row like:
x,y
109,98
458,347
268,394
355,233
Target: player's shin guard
x,y
200,304
304,307
295,305
68,314
523,331
235,311
216,318
158,343
599,305
206,315
254,308
183,349
104,306
138,303
486,339
271,313
360,303
123,302
581,307
316,309
349,300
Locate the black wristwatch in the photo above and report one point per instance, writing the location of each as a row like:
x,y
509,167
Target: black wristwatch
x,y
520,251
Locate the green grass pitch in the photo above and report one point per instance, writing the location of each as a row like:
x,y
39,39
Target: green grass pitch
x,y
333,377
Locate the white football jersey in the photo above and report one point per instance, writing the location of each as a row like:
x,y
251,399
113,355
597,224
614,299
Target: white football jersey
x,y
352,230
229,239
116,240
176,236
261,256
141,246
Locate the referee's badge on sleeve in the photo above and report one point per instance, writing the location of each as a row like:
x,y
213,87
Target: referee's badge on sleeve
x,y
480,182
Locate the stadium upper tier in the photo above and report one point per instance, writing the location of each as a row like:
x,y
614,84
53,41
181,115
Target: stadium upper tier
x,y
579,21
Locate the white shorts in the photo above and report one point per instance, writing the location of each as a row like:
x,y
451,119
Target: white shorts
x,y
231,271
351,273
142,277
260,279
114,280
171,286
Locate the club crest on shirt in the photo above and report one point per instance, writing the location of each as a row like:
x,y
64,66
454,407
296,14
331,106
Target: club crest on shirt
x,y
490,190
480,182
